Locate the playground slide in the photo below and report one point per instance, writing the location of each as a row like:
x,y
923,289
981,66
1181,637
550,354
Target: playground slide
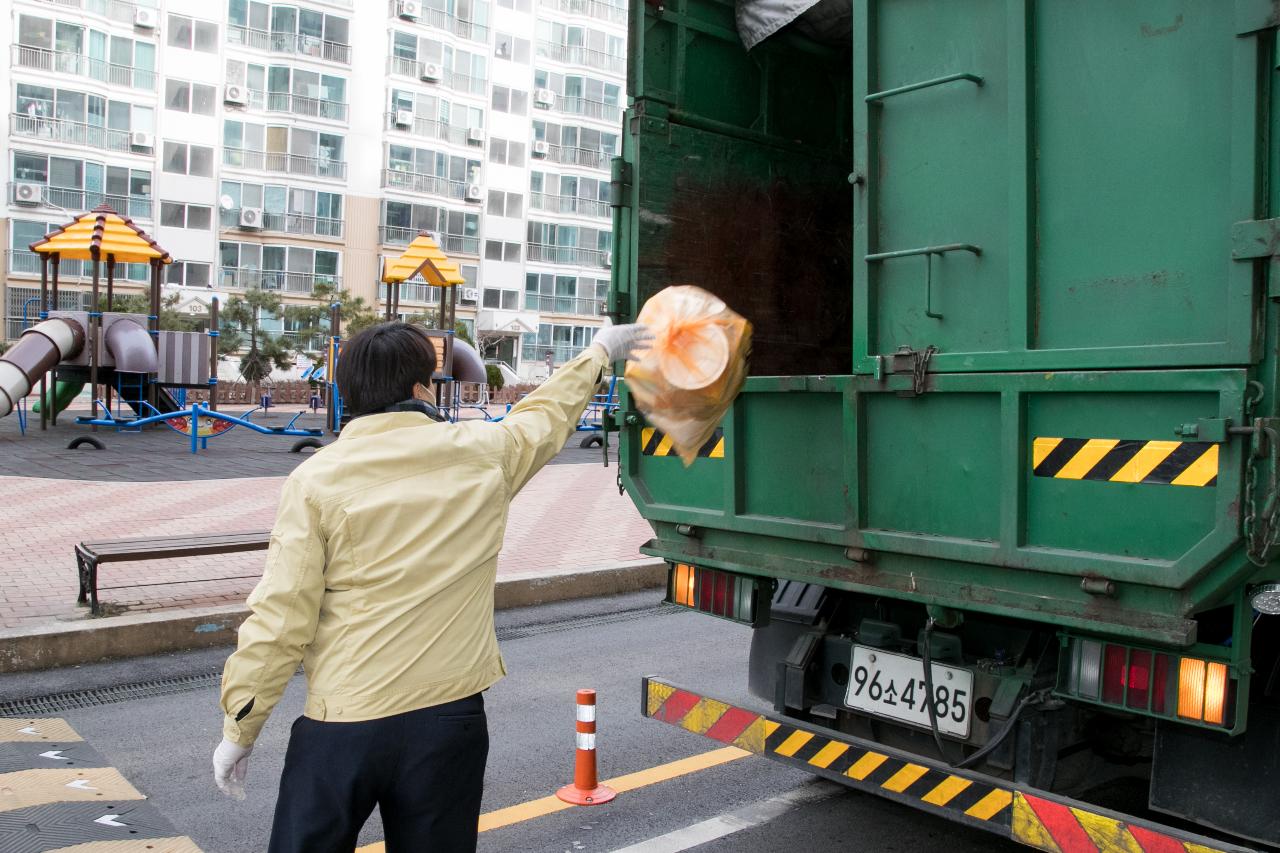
x,y
64,392
38,350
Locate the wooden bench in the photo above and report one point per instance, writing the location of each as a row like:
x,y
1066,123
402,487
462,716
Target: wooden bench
x,y
90,554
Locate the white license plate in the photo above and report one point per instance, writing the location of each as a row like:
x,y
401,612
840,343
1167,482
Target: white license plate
x,y
892,685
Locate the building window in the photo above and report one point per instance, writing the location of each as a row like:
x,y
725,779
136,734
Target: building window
x,y
496,250
188,274
506,300
185,97
510,205
195,217
511,101
193,35
518,5
511,48
183,159
506,152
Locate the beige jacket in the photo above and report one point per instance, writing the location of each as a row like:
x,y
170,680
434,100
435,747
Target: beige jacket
x,y
380,573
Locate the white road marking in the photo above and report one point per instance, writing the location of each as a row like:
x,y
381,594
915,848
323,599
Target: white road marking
x,y
736,821
81,784
55,754
110,820
29,730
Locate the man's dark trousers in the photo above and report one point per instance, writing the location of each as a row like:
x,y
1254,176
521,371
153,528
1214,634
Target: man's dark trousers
x,y
423,769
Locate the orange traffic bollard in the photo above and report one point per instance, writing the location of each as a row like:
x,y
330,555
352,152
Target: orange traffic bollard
x,y
586,789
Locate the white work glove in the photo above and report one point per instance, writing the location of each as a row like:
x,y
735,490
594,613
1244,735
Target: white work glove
x,y
230,764
623,342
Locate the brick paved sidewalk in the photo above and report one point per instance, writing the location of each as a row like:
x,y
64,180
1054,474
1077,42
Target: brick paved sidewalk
x,y
569,516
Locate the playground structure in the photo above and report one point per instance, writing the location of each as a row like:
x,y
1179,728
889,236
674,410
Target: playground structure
x,y
120,352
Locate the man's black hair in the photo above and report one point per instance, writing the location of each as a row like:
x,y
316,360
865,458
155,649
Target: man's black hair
x,y
379,366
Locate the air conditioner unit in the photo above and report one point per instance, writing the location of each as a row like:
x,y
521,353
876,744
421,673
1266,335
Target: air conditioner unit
x,y
544,98
142,139
473,192
404,118
475,134
27,193
470,294
608,259
236,95
540,148
147,19
408,9
429,71
250,217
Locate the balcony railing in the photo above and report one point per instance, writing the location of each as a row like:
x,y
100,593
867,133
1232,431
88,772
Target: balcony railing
x,y
299,342
242,278
117,10
592,158
65,62
591,8
411,291
569,204
572,255
294,43
287,223
559,353
576,105
299,105
574,54
562,305
417,182
73,133
289,164
26,263
442,20
76,201
393,235
433,129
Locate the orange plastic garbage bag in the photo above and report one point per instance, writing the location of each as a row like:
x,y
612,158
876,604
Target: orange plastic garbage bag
x,y
688,378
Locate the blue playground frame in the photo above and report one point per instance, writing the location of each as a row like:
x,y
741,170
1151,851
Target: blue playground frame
x,y
195,413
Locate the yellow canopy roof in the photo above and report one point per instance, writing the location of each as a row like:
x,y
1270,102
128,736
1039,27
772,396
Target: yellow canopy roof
x,y
99,233
424,256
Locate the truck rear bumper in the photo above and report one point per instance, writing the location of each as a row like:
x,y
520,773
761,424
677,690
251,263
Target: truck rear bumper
x,y
1026,815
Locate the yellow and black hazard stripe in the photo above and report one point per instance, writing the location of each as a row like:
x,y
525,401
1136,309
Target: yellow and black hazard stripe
x,y
1058,827
962,798
1045,821
1122,460
654,442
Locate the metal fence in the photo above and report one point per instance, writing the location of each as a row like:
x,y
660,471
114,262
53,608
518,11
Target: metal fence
x,y
581,106
65,62
294,43
591,8
286,102
569,204
559,354
576,54
442,20
431,129
289,164
562,305
72,132
286,223
392,235
420,183
570,156
243,278
72,201
411,291
575,255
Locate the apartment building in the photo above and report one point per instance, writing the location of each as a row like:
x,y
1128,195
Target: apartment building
x,y
294,146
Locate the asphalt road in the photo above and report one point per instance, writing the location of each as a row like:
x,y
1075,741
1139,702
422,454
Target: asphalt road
x,y
162,744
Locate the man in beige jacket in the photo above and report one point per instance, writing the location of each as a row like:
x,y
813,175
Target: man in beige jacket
x,y
379,579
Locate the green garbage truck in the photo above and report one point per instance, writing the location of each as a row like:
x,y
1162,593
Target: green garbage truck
x,y
999,497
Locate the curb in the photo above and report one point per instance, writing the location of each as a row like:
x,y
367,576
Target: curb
x,y
140,634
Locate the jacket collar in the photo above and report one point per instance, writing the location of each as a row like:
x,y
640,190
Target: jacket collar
x,y
384,422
